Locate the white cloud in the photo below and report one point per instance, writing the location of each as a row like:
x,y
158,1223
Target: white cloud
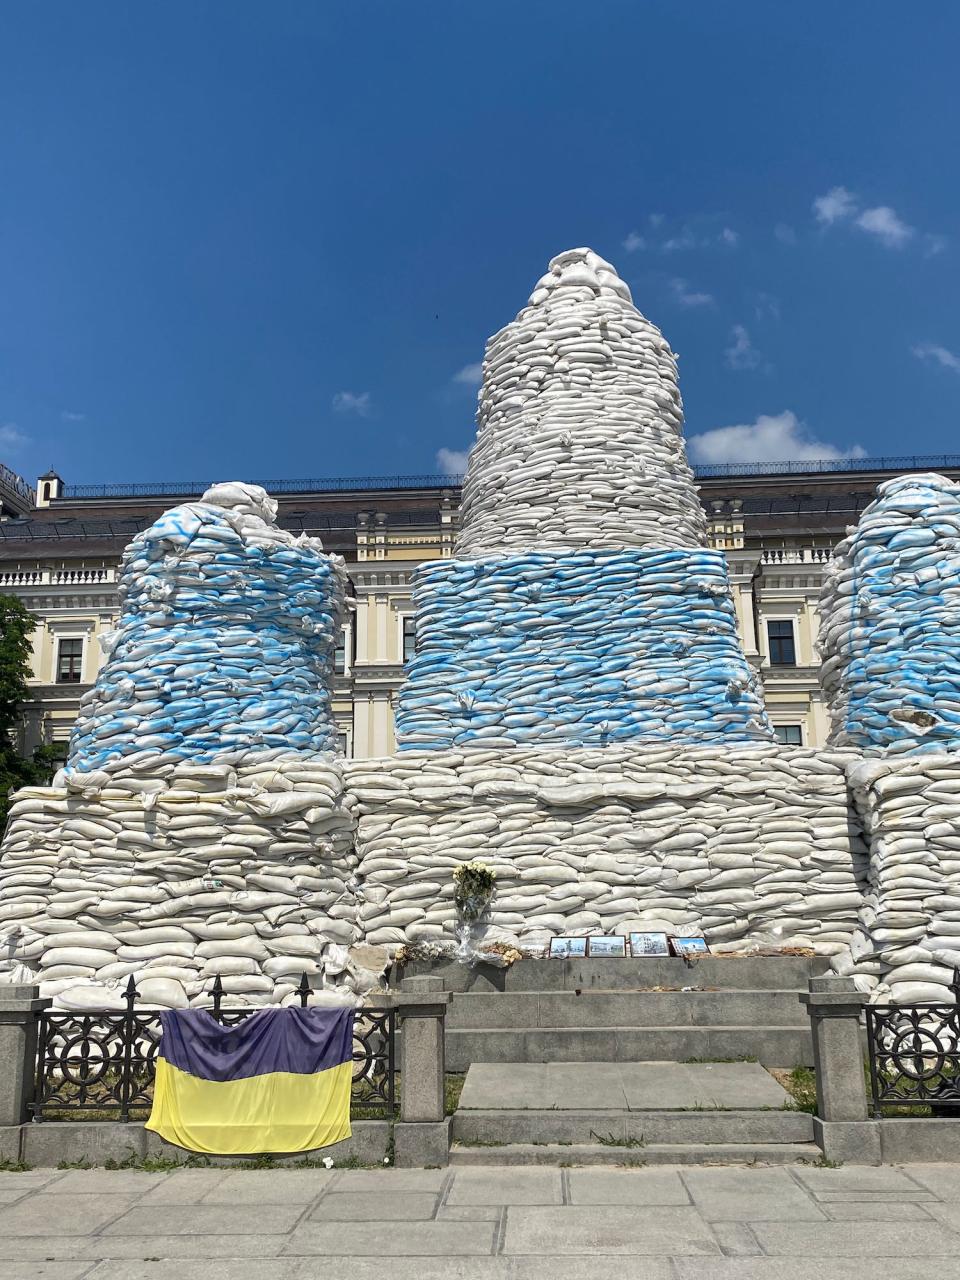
x,y
779,437
11,437
837,204
938,355
730,237
766,306
471,375
741,353
633,242
881,222
360,403
656,219
689,298
452,462
68,415
785,233
884,223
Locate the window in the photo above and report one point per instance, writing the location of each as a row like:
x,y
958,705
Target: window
x,y
69,661
340,654
343,743
783,650
790,734
409,636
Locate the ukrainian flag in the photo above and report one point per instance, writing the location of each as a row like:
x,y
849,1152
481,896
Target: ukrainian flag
x,y
279,1080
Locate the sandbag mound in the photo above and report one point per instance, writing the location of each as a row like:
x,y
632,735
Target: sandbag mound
x,y
890,622
224,649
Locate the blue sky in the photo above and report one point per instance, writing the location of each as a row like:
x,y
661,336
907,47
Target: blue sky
x,y
269,240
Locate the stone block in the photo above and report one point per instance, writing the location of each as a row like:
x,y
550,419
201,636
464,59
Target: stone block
x,y
614,1230
849,1141
10,1140
92,1142
421,1144
918,1140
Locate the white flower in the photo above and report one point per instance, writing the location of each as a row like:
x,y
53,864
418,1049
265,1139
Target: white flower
x,y
327,1162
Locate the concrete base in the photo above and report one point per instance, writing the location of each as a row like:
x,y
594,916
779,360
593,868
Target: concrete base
x,y
923,1140
849,1141
52,1143
421,1145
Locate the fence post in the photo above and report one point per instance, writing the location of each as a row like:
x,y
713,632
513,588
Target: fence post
x,y
19,1007
841,1126
422,1135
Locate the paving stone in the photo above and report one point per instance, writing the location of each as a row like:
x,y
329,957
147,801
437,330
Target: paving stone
x,y
200,1219
270,1186
199,1269
947,1214
374,1206
800,1269
549,1267
67,1215
122,1182
386,1180
186,1186
749,1195
469,1212
877,1197
942,1180
882,1211
611,1230
627,1186
736,1239
856,1239
856,1178
390,1239
506,1186
44,1271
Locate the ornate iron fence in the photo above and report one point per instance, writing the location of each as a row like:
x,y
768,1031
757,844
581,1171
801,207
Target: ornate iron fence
x,y
104,1061
915,1054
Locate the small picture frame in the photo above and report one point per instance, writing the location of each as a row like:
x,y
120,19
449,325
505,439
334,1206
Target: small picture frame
x,y
649,944
610,947
568,948
689,946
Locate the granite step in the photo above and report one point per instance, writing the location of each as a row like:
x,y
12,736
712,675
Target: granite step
x,y
773,1046
654,1154
734,973
515,1010
632,1128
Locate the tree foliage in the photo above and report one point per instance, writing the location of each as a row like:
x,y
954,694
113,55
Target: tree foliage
x,y
16,627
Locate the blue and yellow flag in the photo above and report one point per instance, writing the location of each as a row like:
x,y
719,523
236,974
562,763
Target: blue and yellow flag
x,y
277,1081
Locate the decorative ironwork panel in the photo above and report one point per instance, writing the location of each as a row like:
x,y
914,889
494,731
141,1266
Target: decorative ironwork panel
x,y
105,1061
915,1054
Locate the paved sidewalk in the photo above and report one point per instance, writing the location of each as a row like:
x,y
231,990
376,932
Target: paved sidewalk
x,y
793,1223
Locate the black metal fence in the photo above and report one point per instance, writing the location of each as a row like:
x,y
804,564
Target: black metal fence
x,y
914,1052
104,1061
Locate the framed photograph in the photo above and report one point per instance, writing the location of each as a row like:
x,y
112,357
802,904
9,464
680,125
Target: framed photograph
x,y
568,947
649,944
616,945
689,946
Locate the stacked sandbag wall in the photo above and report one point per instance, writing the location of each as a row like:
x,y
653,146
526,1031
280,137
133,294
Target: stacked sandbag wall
x,y
245,874
754,847
908,939
890,622
577,648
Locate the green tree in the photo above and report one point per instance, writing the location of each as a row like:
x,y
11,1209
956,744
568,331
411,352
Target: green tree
x,y
16,627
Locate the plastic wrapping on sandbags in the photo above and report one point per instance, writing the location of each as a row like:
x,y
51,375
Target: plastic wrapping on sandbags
x,y
224,648
579,438
890,622
577,648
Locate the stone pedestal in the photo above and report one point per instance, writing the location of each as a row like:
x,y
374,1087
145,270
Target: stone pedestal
x,y
19,1007
841,1128
422,1135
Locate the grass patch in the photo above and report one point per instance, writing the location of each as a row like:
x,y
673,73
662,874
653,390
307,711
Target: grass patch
x,y
801,1084
610,1140
13,1166
452,1089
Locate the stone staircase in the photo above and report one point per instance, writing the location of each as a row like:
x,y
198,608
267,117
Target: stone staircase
x,y
642,1010
646,1061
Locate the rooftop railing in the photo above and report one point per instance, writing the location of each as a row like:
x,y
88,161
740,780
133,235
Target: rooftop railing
x,y
354,484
